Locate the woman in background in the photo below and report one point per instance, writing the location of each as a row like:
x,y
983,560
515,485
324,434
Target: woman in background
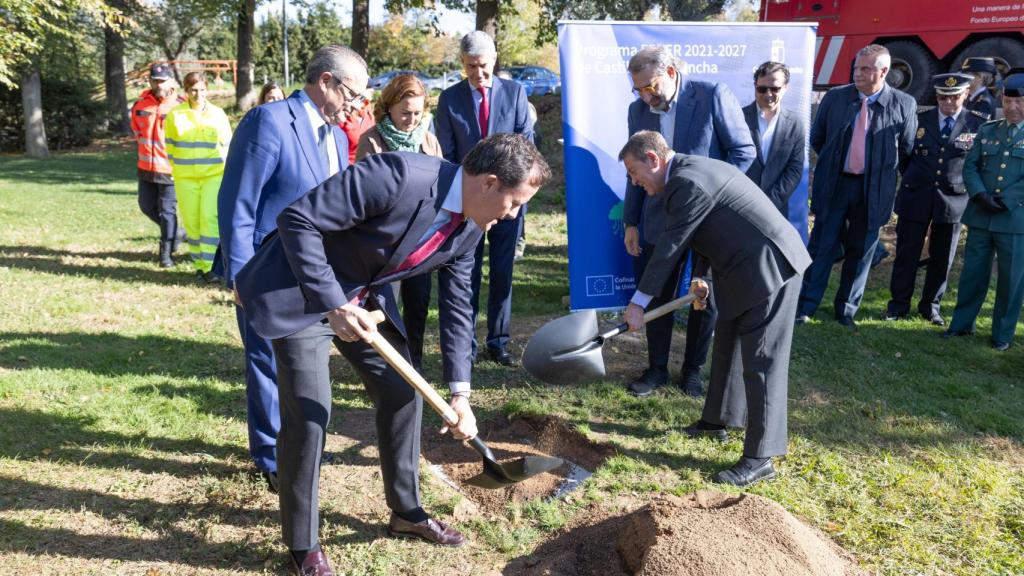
x,y
197,134
271,92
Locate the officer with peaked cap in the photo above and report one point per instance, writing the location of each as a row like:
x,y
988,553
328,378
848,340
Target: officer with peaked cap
x,y
994,178
983,72
932,194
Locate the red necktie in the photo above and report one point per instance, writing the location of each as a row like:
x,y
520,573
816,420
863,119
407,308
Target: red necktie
x,y
424,251
485,111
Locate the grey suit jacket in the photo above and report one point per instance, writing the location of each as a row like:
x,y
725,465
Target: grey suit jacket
x,y
713,208
351,233
781,173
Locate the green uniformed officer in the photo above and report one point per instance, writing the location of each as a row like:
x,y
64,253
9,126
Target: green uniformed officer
x,y
994,178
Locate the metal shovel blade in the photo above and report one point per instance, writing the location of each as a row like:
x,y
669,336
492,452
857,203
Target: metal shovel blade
x,y
497,475
565,350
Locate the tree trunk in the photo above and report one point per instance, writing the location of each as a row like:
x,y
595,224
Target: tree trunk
x,y
245,94
361,26
114,81
32,103
487,16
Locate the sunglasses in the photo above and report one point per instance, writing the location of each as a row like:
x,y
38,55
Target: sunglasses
x,y
766,89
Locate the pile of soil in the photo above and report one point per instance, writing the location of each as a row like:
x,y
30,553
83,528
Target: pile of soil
x,y
510,439
702,534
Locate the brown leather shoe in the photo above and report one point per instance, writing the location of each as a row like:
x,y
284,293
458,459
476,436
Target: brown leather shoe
x,y
314,564
433,531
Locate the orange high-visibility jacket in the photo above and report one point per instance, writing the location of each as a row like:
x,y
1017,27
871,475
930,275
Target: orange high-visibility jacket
x,y
148,125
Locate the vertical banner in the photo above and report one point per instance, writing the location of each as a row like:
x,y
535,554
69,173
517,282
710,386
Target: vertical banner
x,y
596,92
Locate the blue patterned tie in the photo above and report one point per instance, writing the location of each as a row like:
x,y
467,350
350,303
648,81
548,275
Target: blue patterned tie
x,y
947,127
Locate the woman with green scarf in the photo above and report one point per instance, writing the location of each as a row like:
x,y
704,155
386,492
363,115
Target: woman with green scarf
x,y
403,124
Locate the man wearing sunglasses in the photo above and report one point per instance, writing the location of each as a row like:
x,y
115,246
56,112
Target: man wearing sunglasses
x,y
698,118
932,195
778,135
279,152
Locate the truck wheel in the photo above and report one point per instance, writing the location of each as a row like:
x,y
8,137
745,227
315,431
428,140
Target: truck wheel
x,y
1007,52
912,69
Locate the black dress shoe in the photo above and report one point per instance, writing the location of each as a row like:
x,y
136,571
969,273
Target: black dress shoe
x,y
888,316
954,333
746,472
501,356
314,564
934,319
271,479
701,428
433,531
690,382
1001,346
651,379
846,321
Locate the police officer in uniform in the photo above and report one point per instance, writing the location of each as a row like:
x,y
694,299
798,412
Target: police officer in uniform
x,y
932,193
994,178
983,72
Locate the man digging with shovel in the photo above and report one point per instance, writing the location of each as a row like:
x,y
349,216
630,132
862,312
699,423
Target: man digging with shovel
x,y
758,259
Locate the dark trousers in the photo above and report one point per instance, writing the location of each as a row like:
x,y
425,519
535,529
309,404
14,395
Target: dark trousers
x,y
415,307
262,411
159,203
305,389
501,241
699,328
910,237
755,344
848,212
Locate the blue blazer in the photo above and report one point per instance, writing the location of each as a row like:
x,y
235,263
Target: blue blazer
x,y
889,145
272,160
781,174
456,123
709,123
351,232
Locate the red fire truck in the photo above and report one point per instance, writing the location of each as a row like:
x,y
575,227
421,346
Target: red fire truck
x,y
924,37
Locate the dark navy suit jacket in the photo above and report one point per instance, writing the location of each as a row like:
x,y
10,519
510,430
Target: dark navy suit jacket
x,y
781,174
458,127
709,123
273,159
351,232
890,142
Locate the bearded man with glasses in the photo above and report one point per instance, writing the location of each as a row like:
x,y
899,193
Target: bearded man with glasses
x,y
778,135
695,117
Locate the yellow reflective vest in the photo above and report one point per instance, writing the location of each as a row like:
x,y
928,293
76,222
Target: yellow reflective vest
x,y
197,141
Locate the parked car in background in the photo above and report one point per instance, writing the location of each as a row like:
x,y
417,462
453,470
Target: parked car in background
x,y
379,82
537,80
443,81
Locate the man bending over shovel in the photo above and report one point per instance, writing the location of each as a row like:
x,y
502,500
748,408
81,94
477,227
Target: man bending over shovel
x,y
758,259
337,251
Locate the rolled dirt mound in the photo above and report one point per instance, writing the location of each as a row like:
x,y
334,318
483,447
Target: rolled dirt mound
x,y
702,534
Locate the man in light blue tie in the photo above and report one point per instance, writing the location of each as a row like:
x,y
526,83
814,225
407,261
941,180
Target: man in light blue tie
x,y
932,195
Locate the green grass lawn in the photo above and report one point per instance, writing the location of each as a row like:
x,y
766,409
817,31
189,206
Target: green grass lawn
x,y
123,438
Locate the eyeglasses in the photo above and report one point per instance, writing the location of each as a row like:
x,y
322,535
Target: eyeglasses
x,y
766,89
358,98
651,88
950,97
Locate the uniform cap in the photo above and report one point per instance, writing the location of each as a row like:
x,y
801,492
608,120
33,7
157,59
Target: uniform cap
x,y
950,84
979,65
160,72
1013,82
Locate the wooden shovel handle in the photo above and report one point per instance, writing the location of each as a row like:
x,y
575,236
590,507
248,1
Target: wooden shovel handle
x,y
677,304
399,363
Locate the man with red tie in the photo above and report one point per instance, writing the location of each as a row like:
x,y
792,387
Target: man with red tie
x,y
863,134
467,112
337,251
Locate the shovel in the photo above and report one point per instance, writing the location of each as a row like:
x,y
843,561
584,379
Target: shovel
x,y
494,475
568,349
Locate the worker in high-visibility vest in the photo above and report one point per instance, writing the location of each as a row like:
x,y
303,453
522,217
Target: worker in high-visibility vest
x,y
156,187
197,135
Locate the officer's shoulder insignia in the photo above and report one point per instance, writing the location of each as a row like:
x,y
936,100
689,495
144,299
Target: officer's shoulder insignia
x,y
991,123
920,133
981,115
925,111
